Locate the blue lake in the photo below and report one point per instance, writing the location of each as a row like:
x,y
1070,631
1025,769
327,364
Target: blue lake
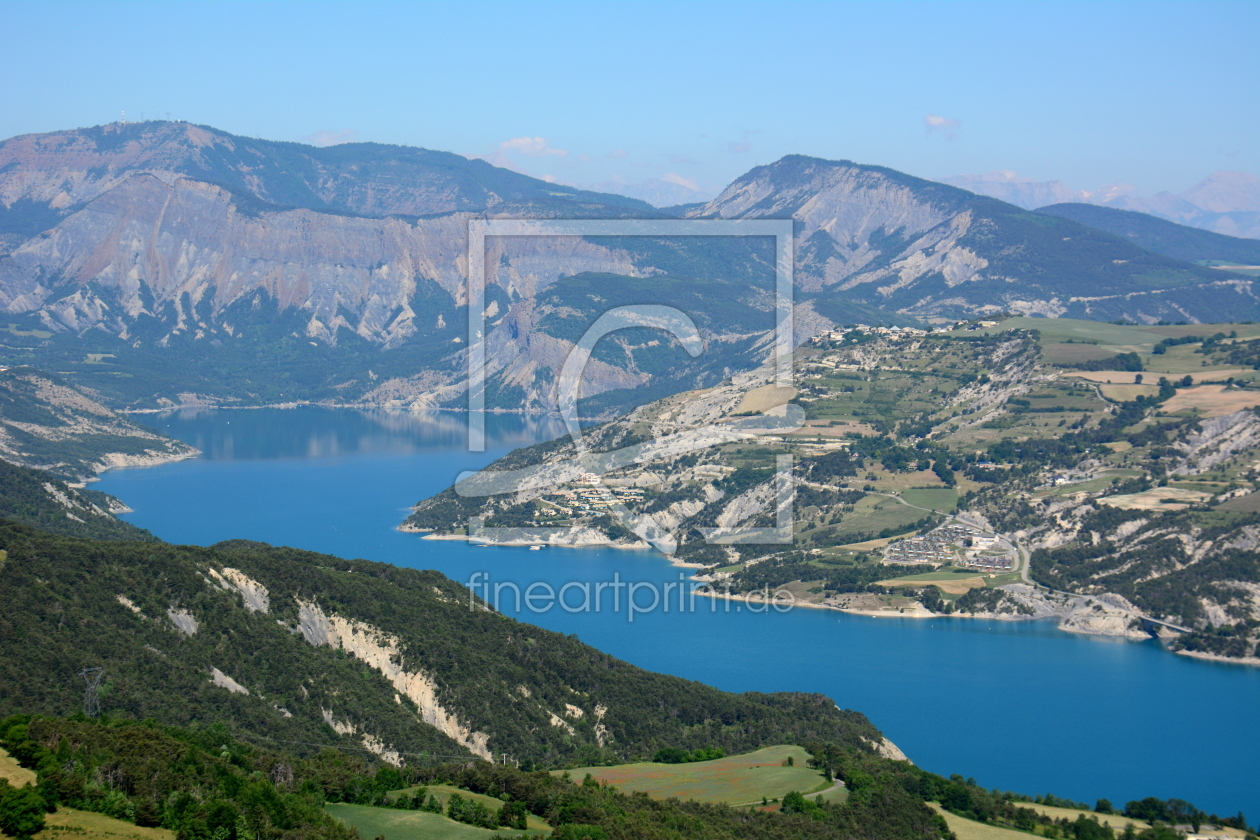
x,y
1018,705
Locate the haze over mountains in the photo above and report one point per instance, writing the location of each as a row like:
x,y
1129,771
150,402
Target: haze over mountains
x,y
174,253
1223,202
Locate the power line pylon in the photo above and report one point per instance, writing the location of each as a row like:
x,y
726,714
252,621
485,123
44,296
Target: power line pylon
x,y
91,698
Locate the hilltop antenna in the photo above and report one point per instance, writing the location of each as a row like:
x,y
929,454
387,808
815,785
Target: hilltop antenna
x,y
91,698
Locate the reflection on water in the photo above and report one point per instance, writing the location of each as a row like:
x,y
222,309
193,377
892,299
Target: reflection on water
x,y
316,432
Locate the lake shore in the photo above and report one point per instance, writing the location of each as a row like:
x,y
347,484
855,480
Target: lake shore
x,y
524,543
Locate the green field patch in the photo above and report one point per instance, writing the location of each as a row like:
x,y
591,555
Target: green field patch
x,y
965,829
1057,353
1061,330
943,498
871,515
736,779
1094,485
73,824
1243,504
13,330
945,573
443,795
394,824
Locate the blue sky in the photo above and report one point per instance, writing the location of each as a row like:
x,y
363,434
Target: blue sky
x,y
1152,94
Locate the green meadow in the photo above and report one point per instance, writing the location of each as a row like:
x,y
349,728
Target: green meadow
x,y
736,779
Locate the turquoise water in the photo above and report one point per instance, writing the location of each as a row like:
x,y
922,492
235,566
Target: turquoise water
x,y
1019,706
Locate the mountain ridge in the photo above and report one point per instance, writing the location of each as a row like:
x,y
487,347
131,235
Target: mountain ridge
x,y
1160,235
1224,202
178,253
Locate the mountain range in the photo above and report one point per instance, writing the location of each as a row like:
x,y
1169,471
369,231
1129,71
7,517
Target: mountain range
x,y
165,263
1223,202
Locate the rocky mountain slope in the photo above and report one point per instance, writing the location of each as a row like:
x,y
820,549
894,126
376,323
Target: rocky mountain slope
x,y
196,266
1042,468
49,425
309,648
885,239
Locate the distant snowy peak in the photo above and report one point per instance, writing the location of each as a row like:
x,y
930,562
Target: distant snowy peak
x,y
659,192
1223,202
1022,192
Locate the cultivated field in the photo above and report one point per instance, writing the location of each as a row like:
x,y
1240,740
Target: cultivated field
x,y
1124,393
1157,498
1060,354
949,586
763,399
1116,377
944,499
736,779
1211,400
947,583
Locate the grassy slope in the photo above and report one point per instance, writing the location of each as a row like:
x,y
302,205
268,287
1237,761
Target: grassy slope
x,y
443,795
1116,821
736,779
409,825
85,825
965,829
14,773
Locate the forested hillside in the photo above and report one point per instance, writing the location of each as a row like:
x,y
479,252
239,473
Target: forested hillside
x,y
313,648
36,498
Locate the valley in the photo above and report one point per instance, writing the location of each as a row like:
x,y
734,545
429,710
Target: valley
x,y
543,421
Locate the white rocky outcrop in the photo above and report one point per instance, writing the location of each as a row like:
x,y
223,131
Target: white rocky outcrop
x,y
561,723
224,681
382,652
253,594
183,621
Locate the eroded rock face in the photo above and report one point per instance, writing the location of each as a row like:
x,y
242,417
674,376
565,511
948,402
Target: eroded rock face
x,y
381,651
179,236
253,594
